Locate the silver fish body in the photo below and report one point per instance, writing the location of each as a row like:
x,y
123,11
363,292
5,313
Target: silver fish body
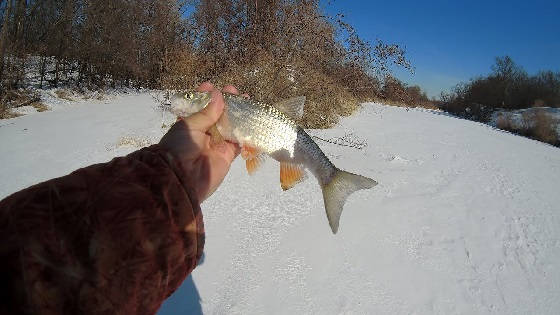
x,y
264,127
270,131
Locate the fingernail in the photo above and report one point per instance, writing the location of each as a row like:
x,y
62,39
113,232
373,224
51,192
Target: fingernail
x,y
205,86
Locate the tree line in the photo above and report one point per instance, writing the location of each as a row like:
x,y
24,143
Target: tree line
x,y
508,87
87,41
271,49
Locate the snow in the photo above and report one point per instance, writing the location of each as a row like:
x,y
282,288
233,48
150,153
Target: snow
x,y
465,218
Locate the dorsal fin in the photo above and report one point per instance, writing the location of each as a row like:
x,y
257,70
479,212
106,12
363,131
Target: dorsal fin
x,y
292,107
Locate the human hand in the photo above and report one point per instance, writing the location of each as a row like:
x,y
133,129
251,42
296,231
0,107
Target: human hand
x,y
189,143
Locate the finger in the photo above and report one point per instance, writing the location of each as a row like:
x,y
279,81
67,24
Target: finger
x,y
236,149
232,151
209,115
230,89
226,151
205,87
245,95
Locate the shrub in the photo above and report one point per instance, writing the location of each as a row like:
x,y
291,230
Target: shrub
x,y
505,122
528,120
64,94
40,107
536,124
398,93
282,49
15,98
544,128
6,112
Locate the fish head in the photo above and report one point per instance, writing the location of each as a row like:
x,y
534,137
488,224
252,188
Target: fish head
x,y
187,103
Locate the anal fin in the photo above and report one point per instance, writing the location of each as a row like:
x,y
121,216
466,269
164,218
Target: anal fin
x,y
291,174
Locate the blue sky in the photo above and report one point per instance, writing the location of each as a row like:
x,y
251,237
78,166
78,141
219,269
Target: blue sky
x,y
453,41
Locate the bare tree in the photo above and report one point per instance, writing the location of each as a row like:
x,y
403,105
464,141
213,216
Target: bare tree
x,y
4,37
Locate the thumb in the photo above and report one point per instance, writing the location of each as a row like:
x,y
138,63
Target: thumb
x,y
209,115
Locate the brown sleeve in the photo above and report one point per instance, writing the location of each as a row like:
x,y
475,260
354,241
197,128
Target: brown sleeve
x,y
112,238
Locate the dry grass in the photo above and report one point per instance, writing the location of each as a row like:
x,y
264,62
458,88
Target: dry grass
x,y
6,113
528,119
40,107
97,95
64,94
133,141
426,105
15,98
536,125
505,122
545,128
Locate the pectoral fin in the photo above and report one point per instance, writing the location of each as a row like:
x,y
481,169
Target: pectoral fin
x,y
253,164
248,152
215,135
290,175
253,158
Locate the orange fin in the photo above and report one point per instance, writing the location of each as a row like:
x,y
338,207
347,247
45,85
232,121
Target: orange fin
x,y
290,175
253,158
249,152
253,164
215,135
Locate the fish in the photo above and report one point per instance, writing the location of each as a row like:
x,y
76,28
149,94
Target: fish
x,y
264,130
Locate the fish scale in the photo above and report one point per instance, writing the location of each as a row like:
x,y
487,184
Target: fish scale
x,y
258,125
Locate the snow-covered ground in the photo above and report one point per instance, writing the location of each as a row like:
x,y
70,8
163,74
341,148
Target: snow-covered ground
x,y
465,219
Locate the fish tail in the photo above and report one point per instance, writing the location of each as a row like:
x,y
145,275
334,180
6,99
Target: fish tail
x,y
338,189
